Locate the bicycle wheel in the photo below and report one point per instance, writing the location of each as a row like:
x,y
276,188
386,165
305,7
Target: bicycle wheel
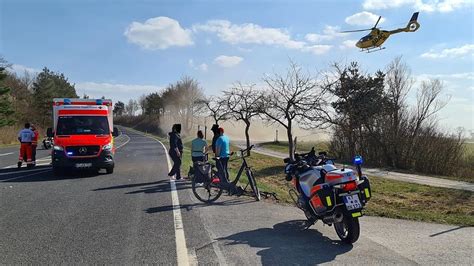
x,y
207,191
253,184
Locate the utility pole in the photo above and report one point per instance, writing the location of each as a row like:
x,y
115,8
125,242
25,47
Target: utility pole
x,y
276,136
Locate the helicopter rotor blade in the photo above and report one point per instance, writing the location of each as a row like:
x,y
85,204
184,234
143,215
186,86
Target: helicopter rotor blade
x,y
346,31
377,22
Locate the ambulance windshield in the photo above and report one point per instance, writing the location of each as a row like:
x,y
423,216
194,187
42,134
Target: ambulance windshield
x,y
83,125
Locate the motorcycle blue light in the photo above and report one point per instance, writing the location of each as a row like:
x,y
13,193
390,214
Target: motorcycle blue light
x,y
69,153
358,160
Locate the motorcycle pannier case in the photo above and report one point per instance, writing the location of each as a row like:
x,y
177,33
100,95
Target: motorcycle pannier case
x,y
322,198
364,188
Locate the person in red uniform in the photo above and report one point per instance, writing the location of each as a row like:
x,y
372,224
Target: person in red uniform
x,y
34,143
25,137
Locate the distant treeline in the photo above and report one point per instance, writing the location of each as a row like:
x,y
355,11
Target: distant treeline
x,y
28,97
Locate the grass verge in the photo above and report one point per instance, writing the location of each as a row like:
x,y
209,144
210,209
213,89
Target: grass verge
x,y
392,199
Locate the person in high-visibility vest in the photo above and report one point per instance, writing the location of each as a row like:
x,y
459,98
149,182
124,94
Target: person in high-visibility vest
x,y
25,137
34,143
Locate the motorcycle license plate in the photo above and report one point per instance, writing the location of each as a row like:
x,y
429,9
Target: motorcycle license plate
x,y
83,165
352,202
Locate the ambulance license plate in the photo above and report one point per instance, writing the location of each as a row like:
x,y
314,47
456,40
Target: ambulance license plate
x,y
352,202
83,165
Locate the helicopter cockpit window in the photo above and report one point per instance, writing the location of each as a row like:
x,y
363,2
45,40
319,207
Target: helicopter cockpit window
x,y
366,38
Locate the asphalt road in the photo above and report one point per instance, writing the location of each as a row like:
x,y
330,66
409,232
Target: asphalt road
x,y
131,216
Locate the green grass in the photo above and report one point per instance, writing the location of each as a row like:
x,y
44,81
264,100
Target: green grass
x,y
393,199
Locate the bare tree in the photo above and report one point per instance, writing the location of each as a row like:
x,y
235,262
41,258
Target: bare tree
x,y
142,102
294,98
217,108
131,108
182,101
242,102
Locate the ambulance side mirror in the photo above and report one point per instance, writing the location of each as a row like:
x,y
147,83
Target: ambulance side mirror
x,y
49,132
116,132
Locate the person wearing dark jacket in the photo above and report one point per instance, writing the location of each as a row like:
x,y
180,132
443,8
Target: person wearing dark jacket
x,y
217,134
176,151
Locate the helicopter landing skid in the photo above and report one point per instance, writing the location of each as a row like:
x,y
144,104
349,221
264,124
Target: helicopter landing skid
x,y
372,50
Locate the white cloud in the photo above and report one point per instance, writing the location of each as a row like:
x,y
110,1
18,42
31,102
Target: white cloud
x,y
463,75
248,33
203,67
317,49
383,4
228,61
116,92
363,19
329,33
461,51
427,6
21,69
348,44
158,33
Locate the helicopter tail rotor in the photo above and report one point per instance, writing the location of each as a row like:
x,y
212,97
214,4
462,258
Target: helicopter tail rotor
x,y
413,24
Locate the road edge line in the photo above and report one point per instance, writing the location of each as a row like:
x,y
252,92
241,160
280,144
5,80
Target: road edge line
x,y
181,247
123,144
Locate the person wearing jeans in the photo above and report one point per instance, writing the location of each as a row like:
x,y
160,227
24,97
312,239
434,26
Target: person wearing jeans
x,y
175,151
222,156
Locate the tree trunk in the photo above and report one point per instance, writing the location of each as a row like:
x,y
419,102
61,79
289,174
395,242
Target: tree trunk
x,y
247,136
291,145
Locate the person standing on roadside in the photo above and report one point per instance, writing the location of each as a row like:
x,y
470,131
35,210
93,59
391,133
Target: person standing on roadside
x,y
25,137
34,143
222,155
198,148
176,151
215,130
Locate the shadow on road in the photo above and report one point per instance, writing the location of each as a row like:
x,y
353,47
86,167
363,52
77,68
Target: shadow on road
x,y
289,243
189,207
448,231
150,187
40,173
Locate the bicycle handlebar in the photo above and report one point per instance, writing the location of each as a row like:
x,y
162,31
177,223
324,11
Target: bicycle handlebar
x,y
246,149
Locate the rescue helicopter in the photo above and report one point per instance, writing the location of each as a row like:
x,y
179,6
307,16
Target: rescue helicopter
x,y
377,37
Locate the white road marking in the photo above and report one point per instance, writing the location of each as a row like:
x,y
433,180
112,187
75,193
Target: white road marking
x,y
123,144
181,248
3,154
26,175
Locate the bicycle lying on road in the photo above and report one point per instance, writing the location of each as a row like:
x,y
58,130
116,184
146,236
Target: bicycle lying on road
x,y
206,183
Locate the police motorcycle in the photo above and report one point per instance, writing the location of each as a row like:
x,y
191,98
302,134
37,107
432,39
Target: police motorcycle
x,y
336,196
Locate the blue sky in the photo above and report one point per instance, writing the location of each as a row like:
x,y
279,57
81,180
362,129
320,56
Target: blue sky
x,y
122,49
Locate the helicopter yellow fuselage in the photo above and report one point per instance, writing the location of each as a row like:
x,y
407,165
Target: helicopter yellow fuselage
x,y
374,39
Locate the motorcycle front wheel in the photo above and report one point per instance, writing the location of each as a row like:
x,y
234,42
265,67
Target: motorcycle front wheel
x,y
348,229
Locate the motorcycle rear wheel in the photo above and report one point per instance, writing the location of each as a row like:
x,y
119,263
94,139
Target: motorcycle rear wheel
x,y
348,229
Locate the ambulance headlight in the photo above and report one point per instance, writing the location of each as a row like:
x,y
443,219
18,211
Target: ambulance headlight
x,y
107,147
58,148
